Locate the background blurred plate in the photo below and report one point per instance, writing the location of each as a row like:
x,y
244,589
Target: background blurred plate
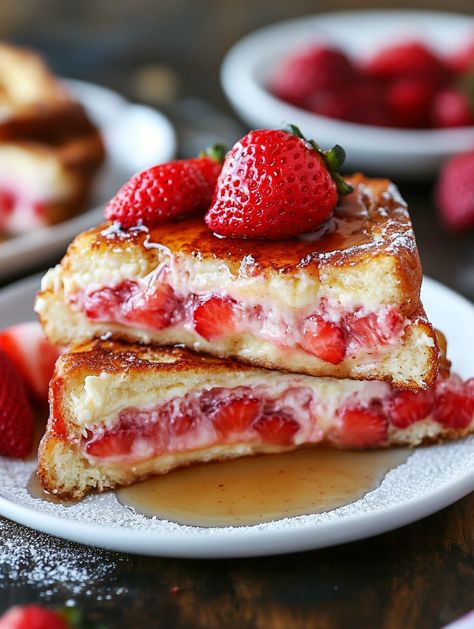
x,y
379,150
136,137
432,478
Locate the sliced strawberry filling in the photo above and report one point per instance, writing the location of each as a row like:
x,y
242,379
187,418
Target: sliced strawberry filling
x,y
213,417
255,415
328,336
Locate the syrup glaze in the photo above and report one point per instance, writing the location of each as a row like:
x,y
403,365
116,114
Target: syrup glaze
x,y
370,220
262,489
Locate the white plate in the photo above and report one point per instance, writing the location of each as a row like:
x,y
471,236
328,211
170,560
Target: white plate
x,y
136,137
390,152
431,479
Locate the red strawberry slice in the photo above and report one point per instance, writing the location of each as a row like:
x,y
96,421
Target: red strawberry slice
x,y
236,416
16,415
361,428
213,318
104,304
152,309
114,444
371,331
277,429
32,617
454,405
407,407
324,339
182,424
33,355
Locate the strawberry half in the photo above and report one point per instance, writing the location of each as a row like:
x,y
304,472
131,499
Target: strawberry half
x,y
324,339
16,415
32,354
277,429
213,317
275,184
167,191
236,416
361,428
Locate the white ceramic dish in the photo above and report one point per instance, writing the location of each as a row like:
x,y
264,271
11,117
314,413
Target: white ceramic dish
x,y
389,152
431,479
136,137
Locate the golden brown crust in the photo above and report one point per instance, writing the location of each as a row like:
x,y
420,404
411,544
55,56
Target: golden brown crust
x,y
98,356
372,223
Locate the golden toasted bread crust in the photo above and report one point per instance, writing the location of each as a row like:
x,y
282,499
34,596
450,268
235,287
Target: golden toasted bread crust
x,y
371,224
370,239
98,356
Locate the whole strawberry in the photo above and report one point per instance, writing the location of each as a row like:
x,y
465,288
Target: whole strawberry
x,y
38,617
32,617
409,59
167,191
275,184
455,192
451,108
16,416
310,71
33,356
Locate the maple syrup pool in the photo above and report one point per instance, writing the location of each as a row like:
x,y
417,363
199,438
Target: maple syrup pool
x,y
260,489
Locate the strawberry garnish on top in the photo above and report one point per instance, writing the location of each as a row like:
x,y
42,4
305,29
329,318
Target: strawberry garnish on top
x,y
167,191
275,184
16,415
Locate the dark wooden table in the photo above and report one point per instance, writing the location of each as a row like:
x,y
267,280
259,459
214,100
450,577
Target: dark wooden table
x,y
420,576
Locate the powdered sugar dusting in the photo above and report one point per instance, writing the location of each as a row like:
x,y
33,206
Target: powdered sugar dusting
x,y
428,471
28,557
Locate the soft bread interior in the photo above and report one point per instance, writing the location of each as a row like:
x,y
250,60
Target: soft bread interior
x,y
413,364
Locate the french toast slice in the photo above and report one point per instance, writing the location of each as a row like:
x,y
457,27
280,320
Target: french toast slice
x,y
50,150
344,302
120,413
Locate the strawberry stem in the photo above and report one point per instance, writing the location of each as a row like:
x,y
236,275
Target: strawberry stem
x,y
216,152
334,159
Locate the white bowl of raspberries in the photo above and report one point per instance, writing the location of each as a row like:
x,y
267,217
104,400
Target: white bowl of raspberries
x,y
394,88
